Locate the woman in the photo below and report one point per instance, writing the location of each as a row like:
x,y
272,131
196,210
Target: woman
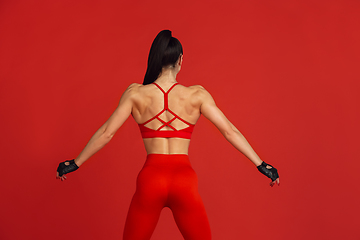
x,y
166,113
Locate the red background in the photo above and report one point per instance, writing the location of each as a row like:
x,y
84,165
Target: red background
x,y
286,73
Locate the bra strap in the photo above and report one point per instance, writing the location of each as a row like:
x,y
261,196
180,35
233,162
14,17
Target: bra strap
x,y
166,94
159,87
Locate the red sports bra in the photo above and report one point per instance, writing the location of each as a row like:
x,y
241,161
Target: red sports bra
x,y
158,133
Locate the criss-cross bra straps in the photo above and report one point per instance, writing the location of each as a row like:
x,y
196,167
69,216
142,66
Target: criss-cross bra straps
x,y
184,133
166,108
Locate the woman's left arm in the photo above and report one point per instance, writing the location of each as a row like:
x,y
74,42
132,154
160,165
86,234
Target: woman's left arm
x,y
105,133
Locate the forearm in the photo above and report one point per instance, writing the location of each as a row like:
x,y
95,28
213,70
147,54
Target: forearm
x,y
97,141
240,143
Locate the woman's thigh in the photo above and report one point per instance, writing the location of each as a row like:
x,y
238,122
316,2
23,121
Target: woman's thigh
x,y
141,219
187,206
146,205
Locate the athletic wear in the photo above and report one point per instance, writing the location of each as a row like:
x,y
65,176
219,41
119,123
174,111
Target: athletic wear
x,y
158,133
66,168
167,181
270,172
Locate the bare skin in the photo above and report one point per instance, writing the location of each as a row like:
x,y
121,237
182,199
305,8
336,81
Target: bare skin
x,y
145,101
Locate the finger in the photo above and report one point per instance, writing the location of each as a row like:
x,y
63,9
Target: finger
x,y
277,181
58,175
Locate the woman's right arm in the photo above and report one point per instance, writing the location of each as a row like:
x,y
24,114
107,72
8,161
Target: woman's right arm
x,y
209,109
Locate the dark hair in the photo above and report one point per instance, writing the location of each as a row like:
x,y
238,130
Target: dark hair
x,y
165,50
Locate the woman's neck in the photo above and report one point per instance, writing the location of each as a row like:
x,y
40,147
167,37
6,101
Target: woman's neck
x,y
167,76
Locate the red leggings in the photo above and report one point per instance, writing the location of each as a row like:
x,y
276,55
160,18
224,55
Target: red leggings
x,y
167,181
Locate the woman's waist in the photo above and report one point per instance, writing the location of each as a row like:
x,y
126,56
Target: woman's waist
x,y
159,159
166,146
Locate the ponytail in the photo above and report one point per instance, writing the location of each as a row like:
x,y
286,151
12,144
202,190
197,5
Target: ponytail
x,y
165,50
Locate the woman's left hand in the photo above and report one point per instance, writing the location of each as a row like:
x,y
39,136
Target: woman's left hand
x,y
65,168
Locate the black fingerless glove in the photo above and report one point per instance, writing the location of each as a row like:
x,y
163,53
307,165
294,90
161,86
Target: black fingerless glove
x,y
269,172
64,169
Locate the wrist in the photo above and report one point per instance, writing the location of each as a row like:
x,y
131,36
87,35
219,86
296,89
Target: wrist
x,y
258,163
77,162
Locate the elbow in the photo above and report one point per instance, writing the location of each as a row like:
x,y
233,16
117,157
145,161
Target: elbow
x,y
231,133
228,134
107,135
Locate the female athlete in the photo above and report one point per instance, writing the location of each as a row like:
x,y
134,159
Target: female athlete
x,y
166,113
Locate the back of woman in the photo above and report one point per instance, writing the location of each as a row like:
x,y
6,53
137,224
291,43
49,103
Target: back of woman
x,y
168,107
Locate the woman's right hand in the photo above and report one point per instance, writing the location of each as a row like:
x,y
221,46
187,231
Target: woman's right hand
x,y
270,172
65,168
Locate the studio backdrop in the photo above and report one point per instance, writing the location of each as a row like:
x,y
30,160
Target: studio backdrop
x,y
285,73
